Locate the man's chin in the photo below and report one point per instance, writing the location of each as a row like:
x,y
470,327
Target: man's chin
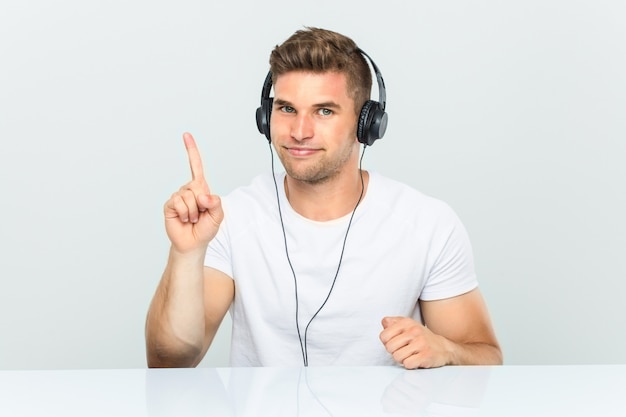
x,y
306,176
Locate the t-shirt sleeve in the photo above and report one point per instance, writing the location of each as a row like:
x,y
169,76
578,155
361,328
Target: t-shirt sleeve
x,y
218,254
451,271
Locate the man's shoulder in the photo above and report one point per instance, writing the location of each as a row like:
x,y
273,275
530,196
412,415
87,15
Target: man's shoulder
x,y
260,192
260,185
394,192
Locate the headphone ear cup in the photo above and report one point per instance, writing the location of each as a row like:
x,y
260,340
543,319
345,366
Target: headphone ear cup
x,y
263,115
362,126
372,123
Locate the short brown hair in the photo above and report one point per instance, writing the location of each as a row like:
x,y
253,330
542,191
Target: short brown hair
x,y
320,50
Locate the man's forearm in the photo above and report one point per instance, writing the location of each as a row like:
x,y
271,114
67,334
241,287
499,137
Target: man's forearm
x,y
175,326
474,354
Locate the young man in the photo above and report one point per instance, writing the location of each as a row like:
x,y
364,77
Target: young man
x,y
325,264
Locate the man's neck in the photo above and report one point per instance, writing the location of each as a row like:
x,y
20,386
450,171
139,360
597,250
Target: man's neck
x,y
328,200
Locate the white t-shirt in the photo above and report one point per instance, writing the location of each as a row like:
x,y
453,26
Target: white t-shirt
x,y
402,246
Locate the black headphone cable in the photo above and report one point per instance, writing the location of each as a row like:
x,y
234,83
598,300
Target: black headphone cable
x,y
303,344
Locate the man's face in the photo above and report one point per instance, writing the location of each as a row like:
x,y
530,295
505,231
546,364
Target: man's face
x,y
313,125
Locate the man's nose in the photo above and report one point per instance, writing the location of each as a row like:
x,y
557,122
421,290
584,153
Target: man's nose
x,y
302,127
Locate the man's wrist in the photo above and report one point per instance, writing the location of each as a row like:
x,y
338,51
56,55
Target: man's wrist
x,y
450,351
193,255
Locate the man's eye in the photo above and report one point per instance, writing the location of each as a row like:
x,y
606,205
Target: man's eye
x,y
287,109
325,112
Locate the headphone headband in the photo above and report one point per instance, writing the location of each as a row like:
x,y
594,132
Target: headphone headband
x,y
382,92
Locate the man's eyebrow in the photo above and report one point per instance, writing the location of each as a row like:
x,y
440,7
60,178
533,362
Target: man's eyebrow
x,y
324,105
328,105
280,102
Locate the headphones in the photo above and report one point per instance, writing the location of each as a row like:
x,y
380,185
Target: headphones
x,y
372,122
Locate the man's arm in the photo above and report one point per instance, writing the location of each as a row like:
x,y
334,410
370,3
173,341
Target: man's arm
x,y
457,331
185,314
191,300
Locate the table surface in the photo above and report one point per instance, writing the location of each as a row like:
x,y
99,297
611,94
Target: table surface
x,y
580,390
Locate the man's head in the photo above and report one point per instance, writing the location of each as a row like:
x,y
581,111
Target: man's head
x,y
320,111
318,51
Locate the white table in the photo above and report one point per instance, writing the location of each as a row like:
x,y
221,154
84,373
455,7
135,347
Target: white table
x,y
593,390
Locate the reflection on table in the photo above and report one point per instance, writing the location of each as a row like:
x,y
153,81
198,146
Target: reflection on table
x,y
318,391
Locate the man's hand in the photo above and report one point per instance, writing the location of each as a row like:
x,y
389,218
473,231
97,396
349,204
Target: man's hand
x,y
192,214
412,344
458,331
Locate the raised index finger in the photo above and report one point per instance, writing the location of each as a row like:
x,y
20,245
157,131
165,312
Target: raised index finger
x,y
195,161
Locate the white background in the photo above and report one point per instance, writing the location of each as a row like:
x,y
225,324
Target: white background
x,y
512,112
